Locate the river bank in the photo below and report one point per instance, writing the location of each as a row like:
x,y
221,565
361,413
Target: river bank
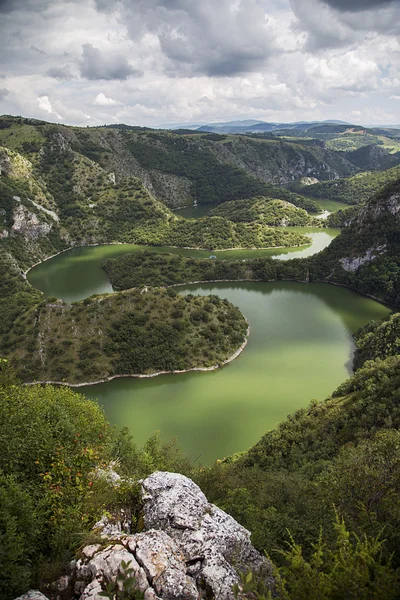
x,y
150,375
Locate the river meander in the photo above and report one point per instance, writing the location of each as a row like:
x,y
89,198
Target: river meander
x,y
300,348
78,273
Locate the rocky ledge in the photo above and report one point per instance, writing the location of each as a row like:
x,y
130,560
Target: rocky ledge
x,y
189,549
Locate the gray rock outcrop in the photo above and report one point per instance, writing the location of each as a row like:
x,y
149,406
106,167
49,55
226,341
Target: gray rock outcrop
x,y
189,549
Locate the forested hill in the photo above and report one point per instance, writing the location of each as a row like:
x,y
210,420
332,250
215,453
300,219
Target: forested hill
x,y
180,169
366,255
351,190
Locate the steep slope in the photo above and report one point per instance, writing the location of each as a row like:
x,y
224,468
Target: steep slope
x,y
352,190
366,256
179,169
373,157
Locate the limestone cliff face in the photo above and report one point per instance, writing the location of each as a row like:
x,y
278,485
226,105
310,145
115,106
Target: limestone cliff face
x,y
188,550
28,224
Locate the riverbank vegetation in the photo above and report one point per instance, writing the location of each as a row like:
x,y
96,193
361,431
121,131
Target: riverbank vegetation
x,y
139,332
351,190
141,268
364,257
267,211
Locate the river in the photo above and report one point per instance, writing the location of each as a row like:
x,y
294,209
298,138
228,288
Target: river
x,y
300,348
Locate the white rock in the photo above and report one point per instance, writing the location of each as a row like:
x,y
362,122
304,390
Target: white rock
x,y
201,531
188,550
165,566
90,551
92,591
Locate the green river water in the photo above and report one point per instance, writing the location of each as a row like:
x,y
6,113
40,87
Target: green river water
x,y
300,348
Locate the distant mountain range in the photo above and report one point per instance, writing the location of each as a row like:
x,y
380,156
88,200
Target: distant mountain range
x,y
263,126
296,128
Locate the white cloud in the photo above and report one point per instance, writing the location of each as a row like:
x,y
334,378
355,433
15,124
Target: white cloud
x,y
45,104
102,100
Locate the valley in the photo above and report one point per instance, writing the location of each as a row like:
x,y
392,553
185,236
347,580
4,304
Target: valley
x,y
106,278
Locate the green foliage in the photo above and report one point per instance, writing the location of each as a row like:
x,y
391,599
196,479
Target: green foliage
x,y
212,182
352,569
124,586
377,340
343,217
352,190
342,452
52,440
148,331
141,268
268,211
19,536
56,450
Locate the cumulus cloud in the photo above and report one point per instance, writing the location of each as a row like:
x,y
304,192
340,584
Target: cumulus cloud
x,y
45,105
102,100
98,65
327,25
221,38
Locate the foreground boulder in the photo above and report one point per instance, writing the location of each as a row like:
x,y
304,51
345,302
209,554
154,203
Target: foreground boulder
x,y
189,549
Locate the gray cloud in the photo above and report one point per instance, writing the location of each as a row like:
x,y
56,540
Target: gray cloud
x,y
203,38
335,24
8,6
357,5
97,65
4,93
61,73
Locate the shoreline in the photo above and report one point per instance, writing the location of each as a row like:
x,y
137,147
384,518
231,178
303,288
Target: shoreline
x,y
151,375
144,246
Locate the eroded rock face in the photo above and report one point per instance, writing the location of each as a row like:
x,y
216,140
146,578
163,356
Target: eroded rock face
x,y
212,541
189,549
27,224
352,264
5,162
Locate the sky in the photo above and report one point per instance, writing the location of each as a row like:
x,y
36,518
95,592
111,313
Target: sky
x,y
152,62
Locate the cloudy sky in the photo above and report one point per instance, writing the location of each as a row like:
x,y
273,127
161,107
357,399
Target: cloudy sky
x,y
149,62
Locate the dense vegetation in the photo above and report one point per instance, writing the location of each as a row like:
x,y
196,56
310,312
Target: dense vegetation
x,y
176,168
56,451
343,217
352,190
146,268
268,211
378,340
365,257
92,209
138,332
